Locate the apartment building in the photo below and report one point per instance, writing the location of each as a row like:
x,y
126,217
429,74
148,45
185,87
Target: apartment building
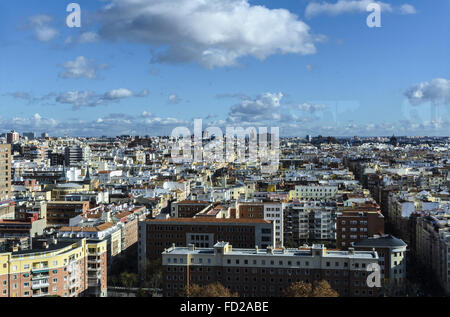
x,y
27,209
270,211
76,154
108,232
5,171
432,245
392,260
309,220
354,224
32,152
59,268
6,206
30,227
401,205
59,213
273,211
315,192
187,208
158,234
12,137
129,224
266,272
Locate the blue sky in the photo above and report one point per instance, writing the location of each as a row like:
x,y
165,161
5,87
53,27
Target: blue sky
x,y
147,66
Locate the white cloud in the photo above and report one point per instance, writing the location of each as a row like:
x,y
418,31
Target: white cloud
x,y
41,27
351,6
77,98
88,37
122,123
174,99
111,125
436,90
213,33
262,108
407,9
81,67
118,94
90,99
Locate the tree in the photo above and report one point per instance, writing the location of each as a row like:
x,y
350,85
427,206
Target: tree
x,y
128,279
210,290
299,289
153,273
323,289
318,289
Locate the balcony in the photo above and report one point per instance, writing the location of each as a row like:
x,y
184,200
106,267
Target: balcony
x,y
40,285
93,260
40,277
41,294
94,268
41,268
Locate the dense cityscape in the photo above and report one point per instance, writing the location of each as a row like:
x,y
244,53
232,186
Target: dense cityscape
x,y
120,217
224,156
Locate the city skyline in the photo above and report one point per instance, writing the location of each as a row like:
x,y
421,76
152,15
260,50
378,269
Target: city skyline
x,y
307,67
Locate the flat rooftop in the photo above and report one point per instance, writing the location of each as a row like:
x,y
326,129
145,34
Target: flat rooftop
x,y
276,253
208,220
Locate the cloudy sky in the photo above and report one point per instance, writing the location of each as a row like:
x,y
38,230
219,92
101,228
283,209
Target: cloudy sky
x,y
148,66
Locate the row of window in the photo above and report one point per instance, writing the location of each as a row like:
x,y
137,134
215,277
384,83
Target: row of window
x,y
261,262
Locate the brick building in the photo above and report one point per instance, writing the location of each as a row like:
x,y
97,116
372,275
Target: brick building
x,y
354,224
188,208
58,268
6,206
266,272
60,212
157,235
